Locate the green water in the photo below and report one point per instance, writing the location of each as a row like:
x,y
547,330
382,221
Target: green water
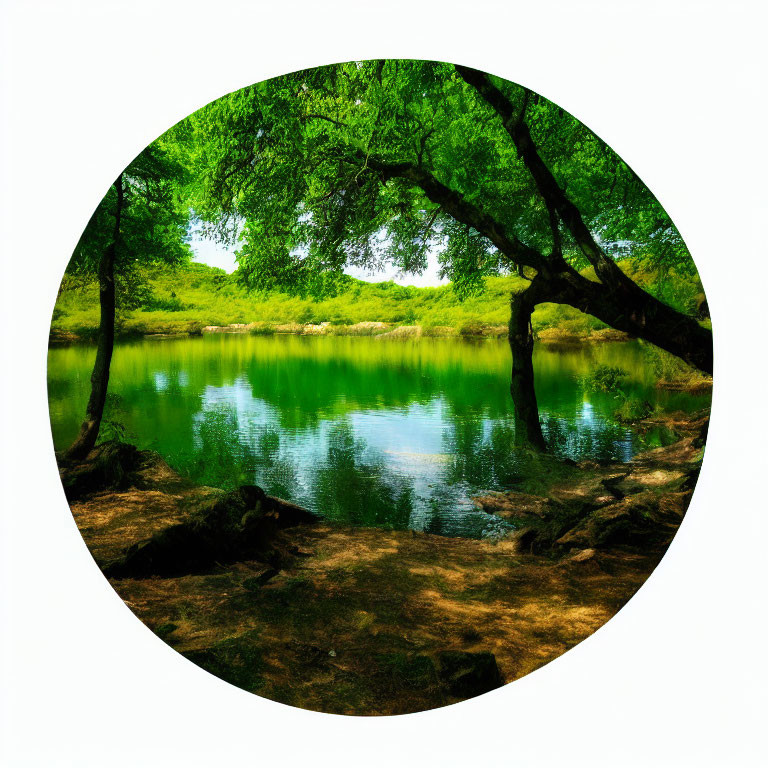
x,y
362,430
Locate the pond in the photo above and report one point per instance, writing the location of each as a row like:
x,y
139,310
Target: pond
x,y
367,431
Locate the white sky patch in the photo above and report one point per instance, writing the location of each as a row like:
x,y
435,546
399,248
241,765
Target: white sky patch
x,y
429,278
215,254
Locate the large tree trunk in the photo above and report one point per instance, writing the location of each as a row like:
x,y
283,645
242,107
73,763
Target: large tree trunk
x,y
89,430
527,425
623,306
616,299
627,307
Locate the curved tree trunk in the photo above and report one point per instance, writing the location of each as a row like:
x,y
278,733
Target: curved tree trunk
x,y
627,307
616,299
89,430
527,425
623,306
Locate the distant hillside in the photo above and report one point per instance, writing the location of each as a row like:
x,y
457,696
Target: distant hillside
x,y
187,299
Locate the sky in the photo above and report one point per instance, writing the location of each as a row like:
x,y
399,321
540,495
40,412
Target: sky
x,y
215,254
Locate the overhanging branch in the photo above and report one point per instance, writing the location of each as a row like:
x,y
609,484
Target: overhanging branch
x,y
454,204
513,120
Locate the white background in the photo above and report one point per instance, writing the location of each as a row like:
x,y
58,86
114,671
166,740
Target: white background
x,y
678,89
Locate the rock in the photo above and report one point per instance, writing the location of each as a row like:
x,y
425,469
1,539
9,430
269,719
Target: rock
x,y
315,329
288,513
403,332
468,674
558,336
516,506
225,527
612,485
583,556
608,334
586,560
367,327
526,538
622,485
639,520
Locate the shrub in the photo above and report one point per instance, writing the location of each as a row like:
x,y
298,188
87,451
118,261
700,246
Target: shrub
x,y
472,328
263,329
633,409
604,378
154,303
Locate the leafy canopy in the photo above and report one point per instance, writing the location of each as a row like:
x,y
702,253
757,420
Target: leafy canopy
x,y
338,166
153,225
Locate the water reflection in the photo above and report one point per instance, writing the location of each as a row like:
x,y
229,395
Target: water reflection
x,y
355,486
365,431
586,434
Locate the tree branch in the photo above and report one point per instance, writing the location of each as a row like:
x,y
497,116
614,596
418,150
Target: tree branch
x,y
327,119
455,205
513,120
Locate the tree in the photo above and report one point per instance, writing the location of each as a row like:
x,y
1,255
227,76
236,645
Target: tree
x,y
367,162
138,222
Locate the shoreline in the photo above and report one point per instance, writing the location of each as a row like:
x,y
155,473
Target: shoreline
x,y
367,328
553,338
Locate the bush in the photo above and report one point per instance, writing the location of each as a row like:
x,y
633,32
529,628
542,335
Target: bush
x,y
200,295
604,378
263,329
156,303
472,328
633,409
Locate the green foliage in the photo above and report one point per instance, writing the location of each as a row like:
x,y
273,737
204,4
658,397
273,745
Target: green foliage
x,y
633,409
672,373
299,167
667,367
153,227
187,298
113,426
155,303
604,378
611,380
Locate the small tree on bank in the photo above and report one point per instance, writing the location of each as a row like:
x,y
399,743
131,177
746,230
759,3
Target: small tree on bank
x,y
138,222
363,163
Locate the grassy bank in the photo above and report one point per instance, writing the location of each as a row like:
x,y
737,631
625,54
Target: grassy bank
x,y
195,296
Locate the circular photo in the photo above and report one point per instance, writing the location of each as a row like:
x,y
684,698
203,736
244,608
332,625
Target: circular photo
x,y
377,386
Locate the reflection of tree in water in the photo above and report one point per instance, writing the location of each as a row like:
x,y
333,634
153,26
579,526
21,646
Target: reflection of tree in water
x,y
223,457
276,474
353,487
485,455
482,456
593,437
